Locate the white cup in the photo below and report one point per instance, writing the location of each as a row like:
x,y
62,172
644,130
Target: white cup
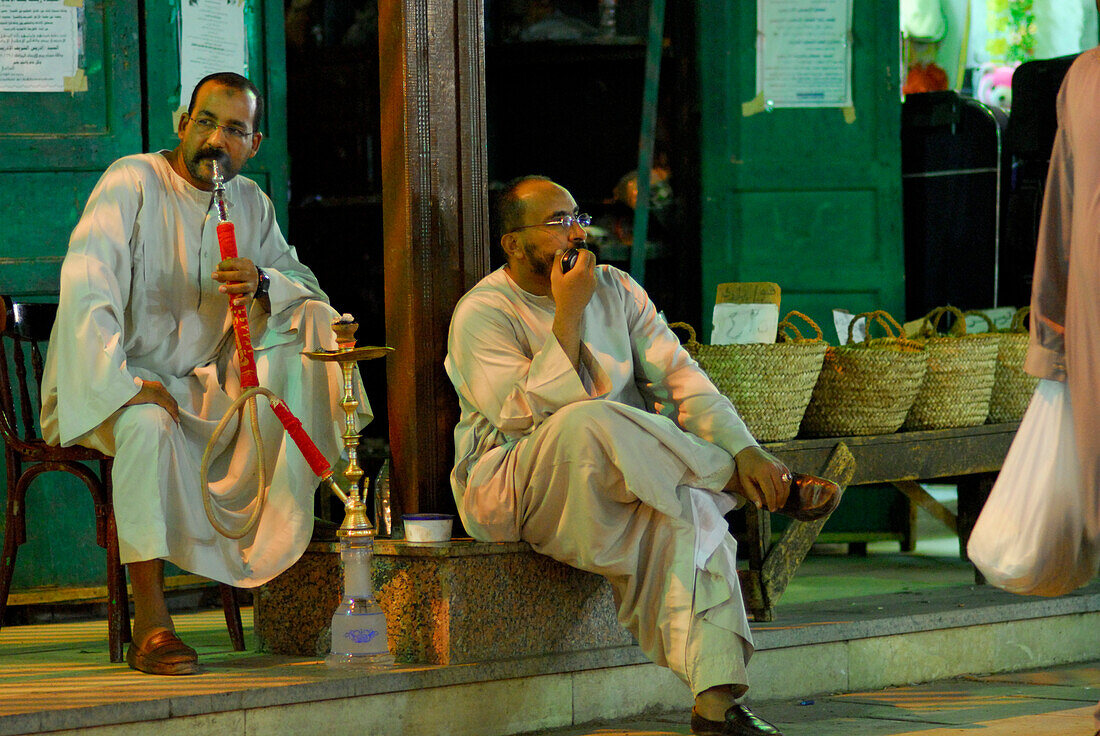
x,y
428,527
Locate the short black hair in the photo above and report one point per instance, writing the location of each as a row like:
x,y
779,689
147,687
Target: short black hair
x,y
509,210
233,81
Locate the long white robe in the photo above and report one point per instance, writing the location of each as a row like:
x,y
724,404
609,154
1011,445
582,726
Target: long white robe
x,y
618,470
138,302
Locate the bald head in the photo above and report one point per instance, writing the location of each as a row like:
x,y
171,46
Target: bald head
x,y
512,203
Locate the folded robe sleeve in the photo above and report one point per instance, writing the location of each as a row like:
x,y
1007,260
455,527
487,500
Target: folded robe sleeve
x,y
95,280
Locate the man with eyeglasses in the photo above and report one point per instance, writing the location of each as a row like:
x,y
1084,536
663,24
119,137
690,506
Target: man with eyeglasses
x,y
587,431
141,362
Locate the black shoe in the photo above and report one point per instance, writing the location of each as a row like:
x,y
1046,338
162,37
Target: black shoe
x,y
739,722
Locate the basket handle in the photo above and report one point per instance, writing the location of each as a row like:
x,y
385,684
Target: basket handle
x,y
932,320
692,342
1018,319
889,325
786,327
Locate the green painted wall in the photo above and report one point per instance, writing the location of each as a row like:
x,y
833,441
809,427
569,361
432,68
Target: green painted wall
x,y
53,148
800,196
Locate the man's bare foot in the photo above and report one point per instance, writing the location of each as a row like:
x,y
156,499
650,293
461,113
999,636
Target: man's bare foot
x,y
713,702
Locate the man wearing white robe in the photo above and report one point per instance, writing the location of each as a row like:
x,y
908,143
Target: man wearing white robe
x,y
557,445
142,366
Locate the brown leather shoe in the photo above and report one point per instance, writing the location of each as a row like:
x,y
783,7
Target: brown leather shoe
x,y
739,721
163,654
811,498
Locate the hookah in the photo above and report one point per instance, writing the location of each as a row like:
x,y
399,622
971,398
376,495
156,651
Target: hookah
x,y
358,625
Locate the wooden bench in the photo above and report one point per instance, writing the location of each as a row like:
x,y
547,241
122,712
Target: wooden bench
x,y
970,457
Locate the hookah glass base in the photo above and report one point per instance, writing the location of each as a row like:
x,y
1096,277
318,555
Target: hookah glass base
x,y
359,624
359,634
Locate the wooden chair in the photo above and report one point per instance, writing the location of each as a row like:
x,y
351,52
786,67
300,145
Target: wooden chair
x,y
24,329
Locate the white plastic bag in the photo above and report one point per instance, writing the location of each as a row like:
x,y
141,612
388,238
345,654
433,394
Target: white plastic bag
x,y
1031,536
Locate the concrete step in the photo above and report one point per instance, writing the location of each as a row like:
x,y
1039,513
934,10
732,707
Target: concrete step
x,y
56,678
1050,701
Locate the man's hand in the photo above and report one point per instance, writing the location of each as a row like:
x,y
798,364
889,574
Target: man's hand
x,y
571,292
154,392
761,478
237,276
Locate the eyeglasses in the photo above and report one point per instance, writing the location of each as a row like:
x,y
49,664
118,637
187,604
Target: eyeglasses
x,y
564,222
206,127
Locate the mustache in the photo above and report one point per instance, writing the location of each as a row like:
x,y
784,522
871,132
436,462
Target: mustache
x,y
213,154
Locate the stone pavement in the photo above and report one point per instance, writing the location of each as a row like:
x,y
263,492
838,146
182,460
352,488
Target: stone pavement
x,y
1057,701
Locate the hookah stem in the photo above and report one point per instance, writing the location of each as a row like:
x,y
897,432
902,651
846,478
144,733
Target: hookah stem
x,y
227,242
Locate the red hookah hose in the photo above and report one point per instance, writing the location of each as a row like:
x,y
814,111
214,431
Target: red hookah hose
x,y
227,241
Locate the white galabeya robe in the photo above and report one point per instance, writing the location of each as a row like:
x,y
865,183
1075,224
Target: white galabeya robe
x,y
138,302
617,469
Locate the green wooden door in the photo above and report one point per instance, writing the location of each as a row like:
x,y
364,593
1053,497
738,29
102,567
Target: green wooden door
x,y
801,196
55,145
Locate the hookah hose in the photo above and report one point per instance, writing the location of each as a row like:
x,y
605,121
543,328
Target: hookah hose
x,y
227,242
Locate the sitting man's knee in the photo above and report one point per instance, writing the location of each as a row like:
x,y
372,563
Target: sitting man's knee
x,y
144,420
581,417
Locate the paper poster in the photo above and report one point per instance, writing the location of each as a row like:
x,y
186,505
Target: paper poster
x,y
41,42
212,39
804,53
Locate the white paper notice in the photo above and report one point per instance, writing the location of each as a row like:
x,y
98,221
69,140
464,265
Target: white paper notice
x,y
804,53
842,320
40,45
740,324
1001,316
212,39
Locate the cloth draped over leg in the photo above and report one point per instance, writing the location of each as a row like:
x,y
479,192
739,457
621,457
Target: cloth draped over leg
x,y
626,494
158,502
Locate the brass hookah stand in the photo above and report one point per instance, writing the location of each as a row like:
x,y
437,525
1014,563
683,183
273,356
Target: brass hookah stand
x,y
358,625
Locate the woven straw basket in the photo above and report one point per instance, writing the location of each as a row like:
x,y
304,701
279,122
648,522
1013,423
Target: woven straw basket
x,y
959,380
868,387
769,383
1012,387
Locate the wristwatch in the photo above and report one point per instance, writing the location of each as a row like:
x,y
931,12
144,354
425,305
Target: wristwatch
x,y
262,284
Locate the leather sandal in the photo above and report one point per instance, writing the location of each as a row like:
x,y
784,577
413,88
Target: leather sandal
x,y
163,654
811,498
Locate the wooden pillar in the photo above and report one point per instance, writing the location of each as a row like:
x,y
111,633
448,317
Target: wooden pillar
x,y
435,222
